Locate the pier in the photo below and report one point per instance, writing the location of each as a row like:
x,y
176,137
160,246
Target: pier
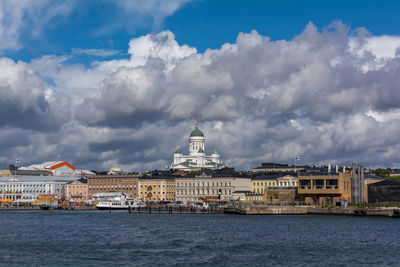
x,y
176,210
391,212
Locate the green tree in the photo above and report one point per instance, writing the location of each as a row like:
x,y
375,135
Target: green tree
x,y
382,173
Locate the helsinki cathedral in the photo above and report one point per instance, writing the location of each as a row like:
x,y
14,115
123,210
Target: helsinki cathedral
x,y
197,158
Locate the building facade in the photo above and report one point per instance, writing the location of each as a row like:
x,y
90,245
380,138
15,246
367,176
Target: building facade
x,y
127,184
261,183
156,189
384,191
77,191
197,188
56,168
30,187
325,188
197,159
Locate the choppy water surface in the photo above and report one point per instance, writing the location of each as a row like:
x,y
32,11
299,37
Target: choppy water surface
x,y
100,238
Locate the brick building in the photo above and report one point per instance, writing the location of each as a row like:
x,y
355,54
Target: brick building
x,y
127,184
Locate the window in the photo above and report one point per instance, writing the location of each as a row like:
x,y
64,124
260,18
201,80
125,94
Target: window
x,y
319,183
332,184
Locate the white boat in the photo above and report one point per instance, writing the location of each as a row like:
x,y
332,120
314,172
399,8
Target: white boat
x,y
118,201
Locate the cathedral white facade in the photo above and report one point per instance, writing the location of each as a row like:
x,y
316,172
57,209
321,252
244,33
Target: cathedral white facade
x,y
197,159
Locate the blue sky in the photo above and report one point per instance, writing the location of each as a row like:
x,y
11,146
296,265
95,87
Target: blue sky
x,y
102,81
200,24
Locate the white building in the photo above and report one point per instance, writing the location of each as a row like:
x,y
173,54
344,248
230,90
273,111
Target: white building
x,y
197,159
29,187
56,168
200,187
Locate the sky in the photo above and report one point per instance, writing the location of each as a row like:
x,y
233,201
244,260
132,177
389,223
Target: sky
x,y
105,81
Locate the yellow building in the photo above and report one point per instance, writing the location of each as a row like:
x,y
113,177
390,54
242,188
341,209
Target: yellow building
x,y
281,189
156,189
260,183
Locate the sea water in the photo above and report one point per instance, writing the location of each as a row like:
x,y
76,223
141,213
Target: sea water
x,y
93,238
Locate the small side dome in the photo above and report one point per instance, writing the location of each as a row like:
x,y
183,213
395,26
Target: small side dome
x,y
201,150
215,152
178,151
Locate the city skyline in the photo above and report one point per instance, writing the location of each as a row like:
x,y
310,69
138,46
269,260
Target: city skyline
x,y
80,84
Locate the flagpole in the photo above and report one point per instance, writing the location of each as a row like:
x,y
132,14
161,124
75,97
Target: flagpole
x,y
15,169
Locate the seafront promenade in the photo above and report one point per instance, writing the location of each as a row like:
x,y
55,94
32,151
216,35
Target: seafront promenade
x,y
391,212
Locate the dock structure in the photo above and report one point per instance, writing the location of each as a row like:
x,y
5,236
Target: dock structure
x,y
392,212
176,210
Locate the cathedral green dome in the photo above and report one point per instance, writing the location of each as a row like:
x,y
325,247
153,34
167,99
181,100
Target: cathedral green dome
x,y
196,132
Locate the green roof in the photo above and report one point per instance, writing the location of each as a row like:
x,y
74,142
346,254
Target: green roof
x,y
178,151
196,132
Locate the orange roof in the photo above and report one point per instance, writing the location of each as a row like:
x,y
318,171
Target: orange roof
x,y
64,163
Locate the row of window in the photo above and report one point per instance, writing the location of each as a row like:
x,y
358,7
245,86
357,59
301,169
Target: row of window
x,y
77,186
204,184
202,192
115,180
153,185
112,186
153,192
274,183
25,185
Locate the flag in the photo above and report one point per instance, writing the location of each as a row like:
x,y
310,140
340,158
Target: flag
x,y
297,158
16,161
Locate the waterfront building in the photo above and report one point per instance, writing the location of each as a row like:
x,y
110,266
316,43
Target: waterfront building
x,y
156,188
55,168
281,189
197,158
217,184
325,188
113,183
30,187
384,191
260,183
368,180
77,191
393,172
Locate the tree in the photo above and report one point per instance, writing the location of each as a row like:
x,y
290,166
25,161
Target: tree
x,y
382,173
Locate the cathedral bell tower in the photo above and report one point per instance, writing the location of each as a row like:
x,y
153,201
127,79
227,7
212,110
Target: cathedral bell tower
x,y
196,141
